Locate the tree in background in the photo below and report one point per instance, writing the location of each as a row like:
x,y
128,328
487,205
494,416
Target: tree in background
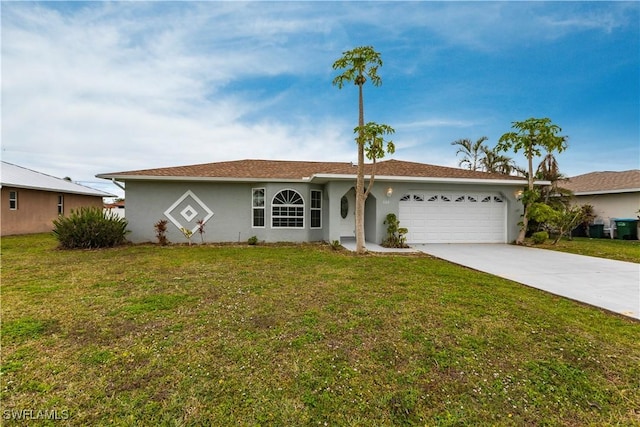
x,y
560,221
477,156
493,161
358,65
549,170
531,136
472,152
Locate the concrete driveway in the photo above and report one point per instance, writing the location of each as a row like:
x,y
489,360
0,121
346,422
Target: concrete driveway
x,y
612,285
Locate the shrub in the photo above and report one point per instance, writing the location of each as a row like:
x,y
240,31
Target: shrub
x,y
253,240
395,234
335,245
161,231
539,237
200,230
187,233
90,227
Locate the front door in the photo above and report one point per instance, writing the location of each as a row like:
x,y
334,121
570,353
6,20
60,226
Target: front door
x,y
348,214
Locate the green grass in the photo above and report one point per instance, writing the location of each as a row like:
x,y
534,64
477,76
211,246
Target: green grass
x,y
300,335
622,250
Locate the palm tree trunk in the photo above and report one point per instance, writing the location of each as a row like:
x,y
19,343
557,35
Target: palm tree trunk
x,y
360,196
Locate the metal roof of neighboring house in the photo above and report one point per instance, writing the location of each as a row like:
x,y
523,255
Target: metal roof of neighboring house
x,y
281,170
16,176
604,182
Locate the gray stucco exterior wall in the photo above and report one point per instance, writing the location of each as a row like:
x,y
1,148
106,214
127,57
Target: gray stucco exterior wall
x,y
231,204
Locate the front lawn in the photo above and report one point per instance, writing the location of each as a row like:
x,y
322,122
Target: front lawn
x,y
299,335
622,250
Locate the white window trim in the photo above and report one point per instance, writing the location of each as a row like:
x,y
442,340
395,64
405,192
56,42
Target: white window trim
x,y
60,204
263,207
303,210
312,209
13,199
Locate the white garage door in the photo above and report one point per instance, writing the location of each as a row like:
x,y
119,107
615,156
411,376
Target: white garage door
x,y
447,217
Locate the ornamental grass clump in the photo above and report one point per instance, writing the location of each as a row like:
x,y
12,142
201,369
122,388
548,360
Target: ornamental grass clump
x,y
89,228
187,233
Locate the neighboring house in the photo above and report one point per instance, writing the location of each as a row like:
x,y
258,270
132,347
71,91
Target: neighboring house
x,y
32,200
116,208
299,201
612,194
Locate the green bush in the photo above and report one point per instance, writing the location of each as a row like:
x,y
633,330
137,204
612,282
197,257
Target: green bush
x,y
90,227
396,235
253,240
539,237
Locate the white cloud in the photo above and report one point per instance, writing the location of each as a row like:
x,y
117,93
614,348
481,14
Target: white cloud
x,y
98,87
590,16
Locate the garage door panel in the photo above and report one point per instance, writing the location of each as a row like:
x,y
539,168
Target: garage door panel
x,y
447,217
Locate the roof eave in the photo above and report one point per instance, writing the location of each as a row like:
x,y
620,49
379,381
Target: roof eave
x,y
96,193
514,182
196,178
602,192
323,177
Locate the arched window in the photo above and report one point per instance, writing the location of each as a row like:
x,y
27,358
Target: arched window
x,y
287,210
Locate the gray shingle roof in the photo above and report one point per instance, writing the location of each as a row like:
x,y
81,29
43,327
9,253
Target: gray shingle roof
x,y
19,177
298,170
604,182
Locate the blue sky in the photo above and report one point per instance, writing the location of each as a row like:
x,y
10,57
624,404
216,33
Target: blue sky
x,y
97,87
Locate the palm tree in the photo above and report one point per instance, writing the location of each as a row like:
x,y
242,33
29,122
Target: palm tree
x,y
471,152
359,64
549,170
492,161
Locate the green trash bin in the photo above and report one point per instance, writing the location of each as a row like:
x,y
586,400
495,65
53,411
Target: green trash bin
x,y
626,228
596,231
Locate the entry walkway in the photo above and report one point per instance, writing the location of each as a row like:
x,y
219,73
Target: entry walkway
x,y
612,285
349,243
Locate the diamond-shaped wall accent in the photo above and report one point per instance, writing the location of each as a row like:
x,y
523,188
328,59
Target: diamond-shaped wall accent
x,y
188,207
189,213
